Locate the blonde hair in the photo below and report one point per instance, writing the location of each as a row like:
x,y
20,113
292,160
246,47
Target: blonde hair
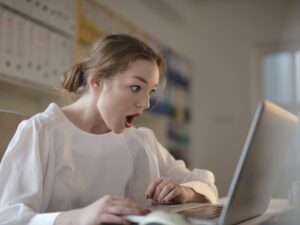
x,y
108,57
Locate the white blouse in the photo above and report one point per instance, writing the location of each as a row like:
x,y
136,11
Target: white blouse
x,y
52,166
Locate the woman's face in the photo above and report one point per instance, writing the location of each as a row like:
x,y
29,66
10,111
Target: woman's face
x,y
126,95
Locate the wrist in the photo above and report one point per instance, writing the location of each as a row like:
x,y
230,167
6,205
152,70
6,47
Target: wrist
x,y
193,196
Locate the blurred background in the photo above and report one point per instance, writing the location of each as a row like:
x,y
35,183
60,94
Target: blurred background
x,y
223,57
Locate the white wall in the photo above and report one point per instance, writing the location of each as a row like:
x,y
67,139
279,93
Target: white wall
x,y
230,32
219,38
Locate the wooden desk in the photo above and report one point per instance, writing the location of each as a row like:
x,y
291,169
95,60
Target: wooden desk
x,y
276,206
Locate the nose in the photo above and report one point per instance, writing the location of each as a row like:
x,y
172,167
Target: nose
x,y
144,103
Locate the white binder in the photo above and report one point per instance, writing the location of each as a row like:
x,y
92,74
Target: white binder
x,y
29,63
1,40
8,60
56,51
38,53
19,54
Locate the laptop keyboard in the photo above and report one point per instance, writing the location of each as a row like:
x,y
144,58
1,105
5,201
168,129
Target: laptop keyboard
x,y
209,211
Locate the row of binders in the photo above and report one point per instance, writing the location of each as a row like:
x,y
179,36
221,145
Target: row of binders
x,y
33,52
58,14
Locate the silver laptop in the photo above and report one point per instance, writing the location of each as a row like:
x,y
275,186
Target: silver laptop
x,y
269,138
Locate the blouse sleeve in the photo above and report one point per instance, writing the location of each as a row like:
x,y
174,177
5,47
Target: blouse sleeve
x,y
23,196
202,181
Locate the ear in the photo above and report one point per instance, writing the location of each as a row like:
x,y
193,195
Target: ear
x,y
94,83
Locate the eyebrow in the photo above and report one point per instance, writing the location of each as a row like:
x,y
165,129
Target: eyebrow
x,y
143,80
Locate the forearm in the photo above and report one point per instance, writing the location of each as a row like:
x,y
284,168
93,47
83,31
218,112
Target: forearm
x,y
68,218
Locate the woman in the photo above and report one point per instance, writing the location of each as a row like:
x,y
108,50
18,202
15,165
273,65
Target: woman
x,y
85,163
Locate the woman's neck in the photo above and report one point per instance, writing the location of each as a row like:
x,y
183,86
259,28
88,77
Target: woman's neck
x,y
84,114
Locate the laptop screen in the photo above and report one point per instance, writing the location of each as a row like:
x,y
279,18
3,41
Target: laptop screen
x,y
270,136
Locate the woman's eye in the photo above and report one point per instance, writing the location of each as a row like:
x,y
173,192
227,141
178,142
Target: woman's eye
x,y
135,88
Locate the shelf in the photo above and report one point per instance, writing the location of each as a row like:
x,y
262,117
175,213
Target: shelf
x,y
30,86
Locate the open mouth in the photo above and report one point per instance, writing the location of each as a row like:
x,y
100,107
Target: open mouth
x,y
129,119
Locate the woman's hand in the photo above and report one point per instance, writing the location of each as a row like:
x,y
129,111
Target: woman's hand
x,y
108,209
165,190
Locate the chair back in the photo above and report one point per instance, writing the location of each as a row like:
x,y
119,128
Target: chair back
x,y
9,122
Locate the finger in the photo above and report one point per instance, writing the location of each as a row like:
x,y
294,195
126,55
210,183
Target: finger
x,y
151,188
125,210
126,201
129,203
112,219
123,206
153,185
127,206
165,191
171,195
159,188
